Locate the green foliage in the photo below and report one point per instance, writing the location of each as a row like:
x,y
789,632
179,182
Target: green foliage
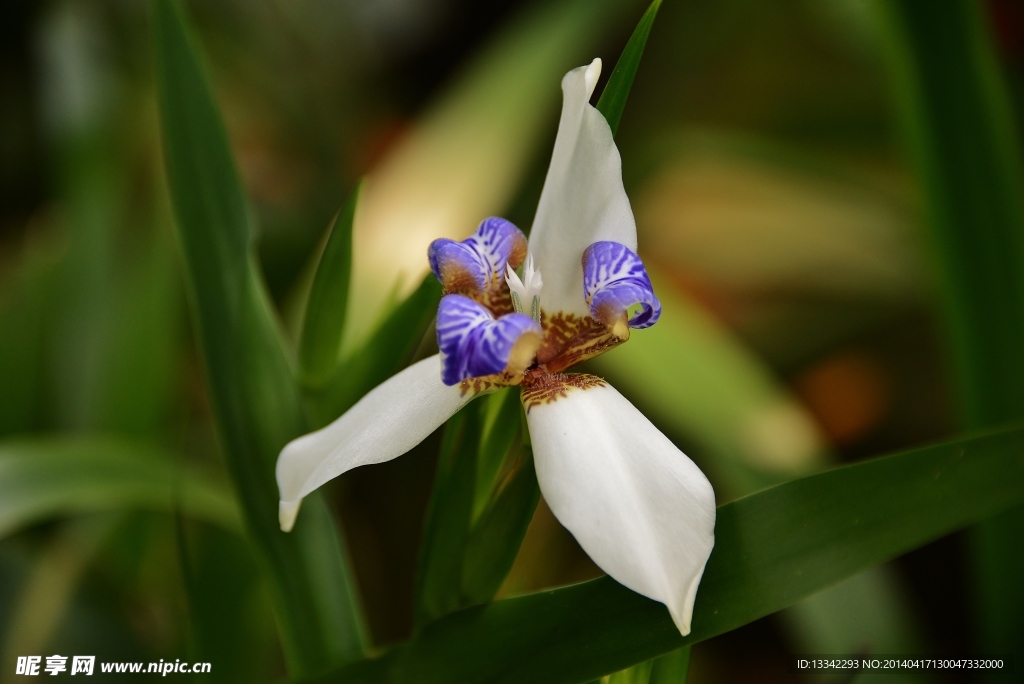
x,y
388,350
255,400
448,519
959,126
772,548
671,668
466,554
959,129
499,531
324,321
45,478
228,618
613,99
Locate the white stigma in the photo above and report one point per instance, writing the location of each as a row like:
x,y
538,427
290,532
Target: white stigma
x,y
525,291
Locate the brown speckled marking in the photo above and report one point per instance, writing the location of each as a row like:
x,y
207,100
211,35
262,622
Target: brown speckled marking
x,y
496,298
540,387
488,383
517,254
456,279
570,339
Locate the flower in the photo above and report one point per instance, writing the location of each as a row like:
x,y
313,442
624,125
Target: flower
x,y
636,504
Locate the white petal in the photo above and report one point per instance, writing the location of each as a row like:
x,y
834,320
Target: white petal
x,y
636,504
389,421
583,200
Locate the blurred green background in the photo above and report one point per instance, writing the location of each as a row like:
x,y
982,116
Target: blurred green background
x,y
776,206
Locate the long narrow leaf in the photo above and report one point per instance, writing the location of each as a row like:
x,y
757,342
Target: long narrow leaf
x,y
254,397
41,479
448,519
772,549
503,425
388,350
613,99
324,321
499,532
468,553
957,119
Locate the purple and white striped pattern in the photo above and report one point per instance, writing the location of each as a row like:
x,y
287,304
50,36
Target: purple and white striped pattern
x,y
478,262
615,279
472,343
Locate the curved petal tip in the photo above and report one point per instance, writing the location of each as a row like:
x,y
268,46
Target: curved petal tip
x,y
287,511
593,73
641,509
393,418
583,200
682,609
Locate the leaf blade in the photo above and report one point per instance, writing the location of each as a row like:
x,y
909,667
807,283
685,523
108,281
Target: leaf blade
x,y
957,121
41,479
613,99
388,350
255,400
773,549
448,519
494,541
324,320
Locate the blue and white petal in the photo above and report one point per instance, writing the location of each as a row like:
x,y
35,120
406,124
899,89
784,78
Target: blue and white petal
x,y
477,264
389,421
641,509
583,200
473,344
614,279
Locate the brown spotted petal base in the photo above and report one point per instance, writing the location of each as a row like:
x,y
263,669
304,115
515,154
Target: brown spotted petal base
x,y
545,388
568,340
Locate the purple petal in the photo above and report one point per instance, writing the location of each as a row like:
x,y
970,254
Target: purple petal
x,y
473,344
478,262
615,279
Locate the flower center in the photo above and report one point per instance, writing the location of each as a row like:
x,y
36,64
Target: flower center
x,y
500,336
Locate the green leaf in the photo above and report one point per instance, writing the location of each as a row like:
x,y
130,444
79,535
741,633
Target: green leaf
x,y
324,321
958,123
467,553
638,674
499,532
41,479
142,358
84,311
502,425
229,617
613,99
672,668
27,292
448,518
45,597
772,549
388,350
254,397
959,129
